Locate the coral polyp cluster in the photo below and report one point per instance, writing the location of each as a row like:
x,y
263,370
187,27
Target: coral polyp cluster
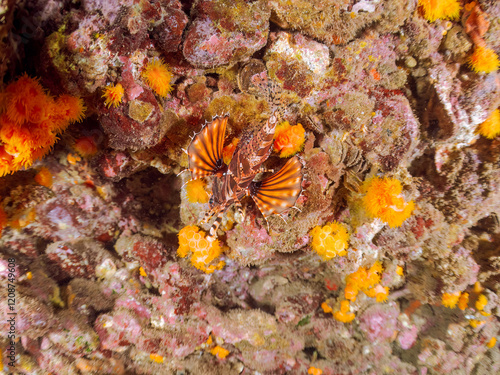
x,y
158,77
383,199
330,241
440,9
288,139
30,121
113,95
366,280
484,60
195,191
203,251
490,128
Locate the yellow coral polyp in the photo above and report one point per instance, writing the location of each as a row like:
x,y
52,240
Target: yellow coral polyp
x,y
481,302
365,280
440,9
383,199
113,95
483,60
450,300
30,121
490,128
158,77
463,301
344,315
288,139
195,191
203,252
220,352
314,371
44,177
330,240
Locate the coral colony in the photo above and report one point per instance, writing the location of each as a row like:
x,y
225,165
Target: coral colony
x,y
250,187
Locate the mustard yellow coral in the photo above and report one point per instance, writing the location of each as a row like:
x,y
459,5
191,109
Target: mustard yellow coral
x,y
383,199
450,300
203,252
330,240
363,280
440,9
344,315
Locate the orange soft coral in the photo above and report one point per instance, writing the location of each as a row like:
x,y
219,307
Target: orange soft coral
x,y
203,251
383,200
330,240
113,95
30,121
440,9
195,191
85,146
484,60
288,139
158,77
490,128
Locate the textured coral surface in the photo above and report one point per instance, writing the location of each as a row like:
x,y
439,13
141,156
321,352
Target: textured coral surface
x,y
387,263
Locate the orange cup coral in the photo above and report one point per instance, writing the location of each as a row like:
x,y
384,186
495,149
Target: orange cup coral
x,y
483,60
203,252
30,121
440,9
158,77
288,139
113,95
195,191
490,128
383,200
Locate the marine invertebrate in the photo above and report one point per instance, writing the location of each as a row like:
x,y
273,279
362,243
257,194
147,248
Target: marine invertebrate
x,y
158,77
330,240
195,191
85,146
383,199
203,251
113,95
44,177
483,60
288,139
30,121
490,128
481,302
344,315
219,352
314,371
450,300
440,9
363,280
378,292
463,301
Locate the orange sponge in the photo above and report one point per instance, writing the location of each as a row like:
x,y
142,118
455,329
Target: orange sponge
x,y
203,252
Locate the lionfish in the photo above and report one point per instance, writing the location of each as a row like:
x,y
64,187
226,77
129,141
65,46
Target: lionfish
x,y
274,194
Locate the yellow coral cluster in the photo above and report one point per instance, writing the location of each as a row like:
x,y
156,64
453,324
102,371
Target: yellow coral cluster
x,y
450,300
195,191
366,281
383,199
440,9
158,77
288,139
483,60
330,240
490,128
203,252
30,121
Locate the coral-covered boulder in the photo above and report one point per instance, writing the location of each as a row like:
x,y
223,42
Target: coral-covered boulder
x,y
225,32
168,34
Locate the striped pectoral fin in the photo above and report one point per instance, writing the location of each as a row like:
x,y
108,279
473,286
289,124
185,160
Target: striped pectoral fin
x,y
205,151
278,192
